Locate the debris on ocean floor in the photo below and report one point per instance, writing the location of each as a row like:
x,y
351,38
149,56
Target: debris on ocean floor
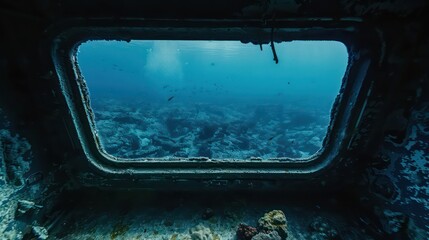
x,y
178,130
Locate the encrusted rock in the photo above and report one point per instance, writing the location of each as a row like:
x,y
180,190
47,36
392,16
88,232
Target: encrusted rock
x,y
39,233
274,221
15,158
201,232
267,236
245,232
24,207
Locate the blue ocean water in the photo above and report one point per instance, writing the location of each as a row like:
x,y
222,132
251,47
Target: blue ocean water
x,y
218,99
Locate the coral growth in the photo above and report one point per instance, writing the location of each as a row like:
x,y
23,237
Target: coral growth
x,y
267,236
245,232
274,221
201,232
271,226
39,233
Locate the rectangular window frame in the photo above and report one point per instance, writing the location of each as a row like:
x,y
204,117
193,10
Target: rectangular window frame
x,y
344,114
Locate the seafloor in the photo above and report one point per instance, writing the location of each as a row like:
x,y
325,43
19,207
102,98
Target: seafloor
x,y
219,131
173,216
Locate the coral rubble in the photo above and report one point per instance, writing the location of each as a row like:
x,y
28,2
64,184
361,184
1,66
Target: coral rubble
x,y
234,131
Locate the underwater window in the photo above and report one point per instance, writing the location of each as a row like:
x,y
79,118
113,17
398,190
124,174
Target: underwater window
x,y
173,99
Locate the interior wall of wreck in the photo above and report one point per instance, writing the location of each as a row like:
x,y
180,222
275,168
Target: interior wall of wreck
x,y
395,184
31,177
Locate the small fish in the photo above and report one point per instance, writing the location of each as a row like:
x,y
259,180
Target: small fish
x,y
271,138
166,139
288,82
165,86
170,98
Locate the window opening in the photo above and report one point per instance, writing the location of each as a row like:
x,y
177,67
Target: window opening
x,y
217,99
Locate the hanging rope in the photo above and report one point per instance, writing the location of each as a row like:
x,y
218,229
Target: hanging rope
x,y
275,58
